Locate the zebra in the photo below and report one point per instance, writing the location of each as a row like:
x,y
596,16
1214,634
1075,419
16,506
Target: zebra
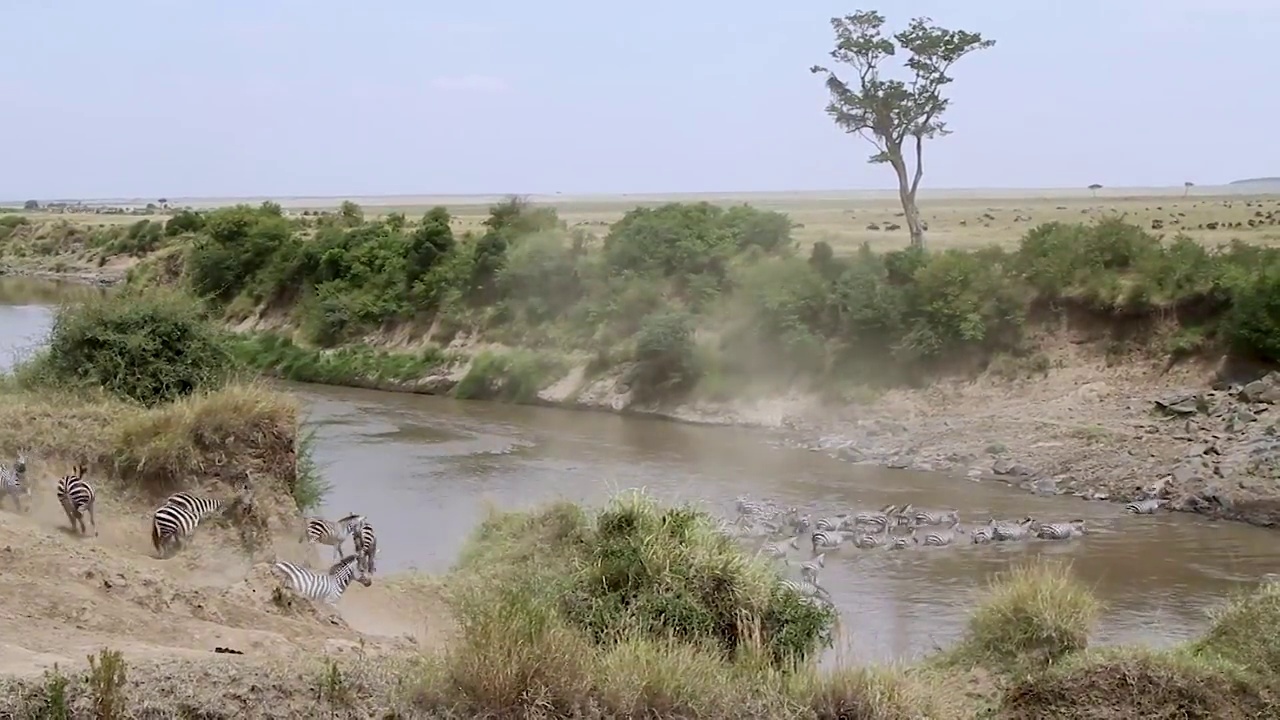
x,y
900,542
806,589
174,522
936,517
773,551
76,496
327,586
938,538
1061,531
839,522
984,534
1004,531
13,481
1144,507
827,540
366,542
809,570
333,533
868,540
878,517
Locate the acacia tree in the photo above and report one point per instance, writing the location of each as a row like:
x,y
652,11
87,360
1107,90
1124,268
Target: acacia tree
x,y
1094,188
1186,187
888,112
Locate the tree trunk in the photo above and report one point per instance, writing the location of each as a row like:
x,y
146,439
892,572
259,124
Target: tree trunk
x,y
907,195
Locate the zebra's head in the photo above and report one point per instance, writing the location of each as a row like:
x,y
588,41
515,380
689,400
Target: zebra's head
x,y
1079,526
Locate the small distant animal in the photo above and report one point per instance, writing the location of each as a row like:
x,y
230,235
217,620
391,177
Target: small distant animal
x,y
1061,531
1144,507
13,481
76,496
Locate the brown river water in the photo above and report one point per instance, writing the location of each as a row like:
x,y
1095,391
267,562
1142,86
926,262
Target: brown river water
x,y
425,468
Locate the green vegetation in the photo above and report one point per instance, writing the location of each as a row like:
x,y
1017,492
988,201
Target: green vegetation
x,y
142,387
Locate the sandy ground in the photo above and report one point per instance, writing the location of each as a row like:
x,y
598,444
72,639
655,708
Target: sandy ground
x,y
66,597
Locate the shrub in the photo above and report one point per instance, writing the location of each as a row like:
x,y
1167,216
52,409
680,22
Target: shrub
x,y
150,348
665,358
512,376
1033,615
1247,632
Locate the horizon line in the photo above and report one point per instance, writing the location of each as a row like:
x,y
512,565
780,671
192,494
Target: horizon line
x,y
1112,190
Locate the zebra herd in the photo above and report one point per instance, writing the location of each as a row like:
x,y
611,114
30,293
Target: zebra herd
x,y
777,532
175,521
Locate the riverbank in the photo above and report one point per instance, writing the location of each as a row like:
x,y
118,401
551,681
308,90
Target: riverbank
x,y
1040,367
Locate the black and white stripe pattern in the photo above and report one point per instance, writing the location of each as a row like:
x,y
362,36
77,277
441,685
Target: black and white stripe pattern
x,y
828,540
773,551
935,517
366,541
838,522
875,519
868,540
76,496
807,589
1005,531
173,523
984,534
328,586
809,570
1061,531
13,482
1144,507
938,538
332,532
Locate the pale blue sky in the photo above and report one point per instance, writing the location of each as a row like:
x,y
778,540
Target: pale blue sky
x,y
135,98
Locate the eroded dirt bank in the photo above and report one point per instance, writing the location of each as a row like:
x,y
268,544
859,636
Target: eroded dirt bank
x,y
208,624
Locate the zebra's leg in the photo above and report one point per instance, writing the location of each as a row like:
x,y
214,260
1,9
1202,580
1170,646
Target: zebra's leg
x,y
93,519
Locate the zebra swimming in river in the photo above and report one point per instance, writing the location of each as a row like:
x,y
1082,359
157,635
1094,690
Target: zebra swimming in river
x,y
328,586
76,496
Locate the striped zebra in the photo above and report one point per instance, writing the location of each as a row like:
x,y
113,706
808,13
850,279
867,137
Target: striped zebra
x,y
1144,507
901,542
773,551
875,518
1061,531
806,589
935,517
809,570
327,586
76,496
829,540
173,523
868,540
366,542
1005,531
938,538
983,534
331,532
838,522
13,481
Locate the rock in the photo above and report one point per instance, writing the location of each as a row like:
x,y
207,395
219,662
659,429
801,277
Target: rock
x,y
850,454
1183,403
1045,486
898,462
1270,396
1021,471
1185,472
1002,466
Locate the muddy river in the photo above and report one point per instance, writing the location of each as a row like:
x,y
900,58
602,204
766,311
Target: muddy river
x,y
425,468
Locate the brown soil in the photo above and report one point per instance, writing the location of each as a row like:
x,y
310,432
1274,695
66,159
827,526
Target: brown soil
x,y
66,597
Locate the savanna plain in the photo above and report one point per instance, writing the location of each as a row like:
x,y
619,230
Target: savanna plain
x,y
1110,348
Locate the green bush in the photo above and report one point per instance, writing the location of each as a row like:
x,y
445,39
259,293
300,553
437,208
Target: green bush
x,y
150,348
666,361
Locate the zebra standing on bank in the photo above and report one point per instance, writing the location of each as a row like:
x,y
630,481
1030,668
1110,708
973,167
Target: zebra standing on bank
x,y
13,481
327,586
331,532
173,523
366,541
76,496
1061,531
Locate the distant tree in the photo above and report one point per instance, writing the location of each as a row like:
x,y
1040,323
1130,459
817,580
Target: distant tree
x,y
1186,187
1094,188
31,205
350,213
889,112
163,201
